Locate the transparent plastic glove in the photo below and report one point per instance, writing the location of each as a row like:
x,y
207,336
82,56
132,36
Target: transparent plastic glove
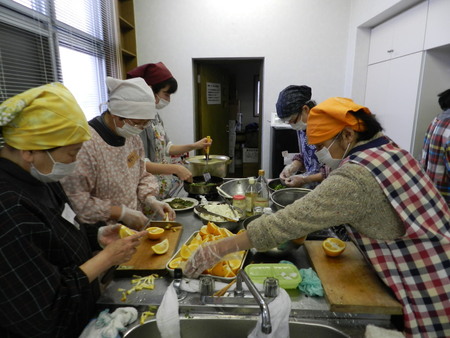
x,y
160,208
295,181
208,255
289,170
133,218
108,234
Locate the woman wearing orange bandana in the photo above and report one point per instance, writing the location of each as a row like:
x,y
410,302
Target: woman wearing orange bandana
x,y
395,215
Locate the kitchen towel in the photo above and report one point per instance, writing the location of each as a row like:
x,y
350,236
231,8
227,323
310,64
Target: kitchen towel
x,y
108,325
167,317
279,310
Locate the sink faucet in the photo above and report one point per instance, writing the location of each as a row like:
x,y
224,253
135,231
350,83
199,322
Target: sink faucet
x,y
178,275
266,326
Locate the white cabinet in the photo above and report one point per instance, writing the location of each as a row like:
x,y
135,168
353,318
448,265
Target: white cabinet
x,y
399,36
391,94
438,24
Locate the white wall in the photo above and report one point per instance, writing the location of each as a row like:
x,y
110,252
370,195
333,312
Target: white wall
x,y
301,41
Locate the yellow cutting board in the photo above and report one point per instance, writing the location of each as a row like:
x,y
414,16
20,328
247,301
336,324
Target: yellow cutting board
x,y
350,284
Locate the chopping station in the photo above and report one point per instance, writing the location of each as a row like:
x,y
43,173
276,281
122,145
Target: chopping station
x,y
353,295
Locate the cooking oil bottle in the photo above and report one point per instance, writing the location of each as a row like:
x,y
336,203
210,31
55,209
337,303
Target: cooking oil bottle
x,y
250,195
262,199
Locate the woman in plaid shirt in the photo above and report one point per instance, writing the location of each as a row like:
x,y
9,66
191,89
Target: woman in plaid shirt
x,y
436,148
395,215
48,274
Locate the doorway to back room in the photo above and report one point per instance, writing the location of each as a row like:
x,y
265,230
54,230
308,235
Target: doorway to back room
x,y
227,106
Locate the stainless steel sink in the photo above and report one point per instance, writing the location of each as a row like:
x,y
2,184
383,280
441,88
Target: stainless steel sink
x,y
231,326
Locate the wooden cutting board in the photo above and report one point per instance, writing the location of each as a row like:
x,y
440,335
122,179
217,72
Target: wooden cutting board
x,y
145,260
350,284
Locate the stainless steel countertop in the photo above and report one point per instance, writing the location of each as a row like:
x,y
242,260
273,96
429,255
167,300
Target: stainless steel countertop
x,y
315,308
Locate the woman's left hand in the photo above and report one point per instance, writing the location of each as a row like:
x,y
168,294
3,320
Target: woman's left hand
x,y
295,181
108,234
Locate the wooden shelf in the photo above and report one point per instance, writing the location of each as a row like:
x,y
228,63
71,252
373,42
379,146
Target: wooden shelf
x,y
127,35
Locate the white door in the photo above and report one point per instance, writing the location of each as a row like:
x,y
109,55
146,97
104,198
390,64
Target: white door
x,y
392,92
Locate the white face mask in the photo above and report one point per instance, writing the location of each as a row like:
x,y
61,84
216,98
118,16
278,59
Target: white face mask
x,y
324,156
300,125
59,171
162,103
127,130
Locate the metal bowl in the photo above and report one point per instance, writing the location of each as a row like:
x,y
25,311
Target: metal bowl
x,y
282,198
233,187
217,165
230,225
275,182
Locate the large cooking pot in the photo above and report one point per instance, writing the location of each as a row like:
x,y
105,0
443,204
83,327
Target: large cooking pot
x,y
200,187
217,165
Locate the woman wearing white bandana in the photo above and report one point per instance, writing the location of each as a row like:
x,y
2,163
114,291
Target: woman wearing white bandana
x,y
110,182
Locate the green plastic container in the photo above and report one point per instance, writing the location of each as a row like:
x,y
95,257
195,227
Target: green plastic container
x,y
287,274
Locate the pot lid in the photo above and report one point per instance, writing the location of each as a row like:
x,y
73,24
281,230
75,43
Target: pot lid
x,y
200,159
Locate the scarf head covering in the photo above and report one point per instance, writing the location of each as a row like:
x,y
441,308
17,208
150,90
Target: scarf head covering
x,y
131,99
291,99
43,118
152,73
330,117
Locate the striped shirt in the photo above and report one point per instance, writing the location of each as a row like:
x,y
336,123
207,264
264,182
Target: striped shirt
x,y
436,153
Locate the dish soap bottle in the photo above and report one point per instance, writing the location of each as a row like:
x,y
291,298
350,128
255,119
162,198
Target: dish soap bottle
x,y
262,199
250,195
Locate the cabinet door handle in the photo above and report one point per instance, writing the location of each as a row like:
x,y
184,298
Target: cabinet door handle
x,y
390,51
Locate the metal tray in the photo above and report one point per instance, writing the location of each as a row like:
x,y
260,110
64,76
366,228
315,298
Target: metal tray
x,y
218,278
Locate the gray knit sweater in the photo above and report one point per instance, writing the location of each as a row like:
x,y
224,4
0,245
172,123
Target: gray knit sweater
x,y
349,195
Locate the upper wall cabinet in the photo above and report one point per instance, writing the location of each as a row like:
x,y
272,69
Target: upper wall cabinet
x,y
438,25
127,35
399,36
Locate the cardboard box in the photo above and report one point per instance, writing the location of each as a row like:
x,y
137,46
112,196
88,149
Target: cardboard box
x,y
250,155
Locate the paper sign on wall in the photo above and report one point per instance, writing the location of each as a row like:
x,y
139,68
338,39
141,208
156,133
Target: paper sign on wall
x,y
213,93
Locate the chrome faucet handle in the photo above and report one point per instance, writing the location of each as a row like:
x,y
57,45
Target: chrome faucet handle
x,y
178,275
206,286
271,287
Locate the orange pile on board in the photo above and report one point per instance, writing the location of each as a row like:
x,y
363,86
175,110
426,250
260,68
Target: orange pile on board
x,y
209,233
333,246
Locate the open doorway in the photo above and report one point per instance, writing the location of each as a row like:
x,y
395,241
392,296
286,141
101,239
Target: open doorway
x,y
228,107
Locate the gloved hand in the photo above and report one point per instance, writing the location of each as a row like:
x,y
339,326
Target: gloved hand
x,y
209,254
295,181
133,218
108,234
290,170
160,208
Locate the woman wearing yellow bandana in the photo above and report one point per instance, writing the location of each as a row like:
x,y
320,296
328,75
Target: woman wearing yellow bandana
x,y
48,284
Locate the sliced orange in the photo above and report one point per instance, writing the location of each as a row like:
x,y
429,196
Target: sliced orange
x,y
185,252
235,264
203,231
175,263
219,269
125,231
212,229
333,246
193,247
225,232
155,232
197,239
161,248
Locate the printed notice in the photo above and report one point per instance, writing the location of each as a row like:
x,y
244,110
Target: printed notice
x,y
213,93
